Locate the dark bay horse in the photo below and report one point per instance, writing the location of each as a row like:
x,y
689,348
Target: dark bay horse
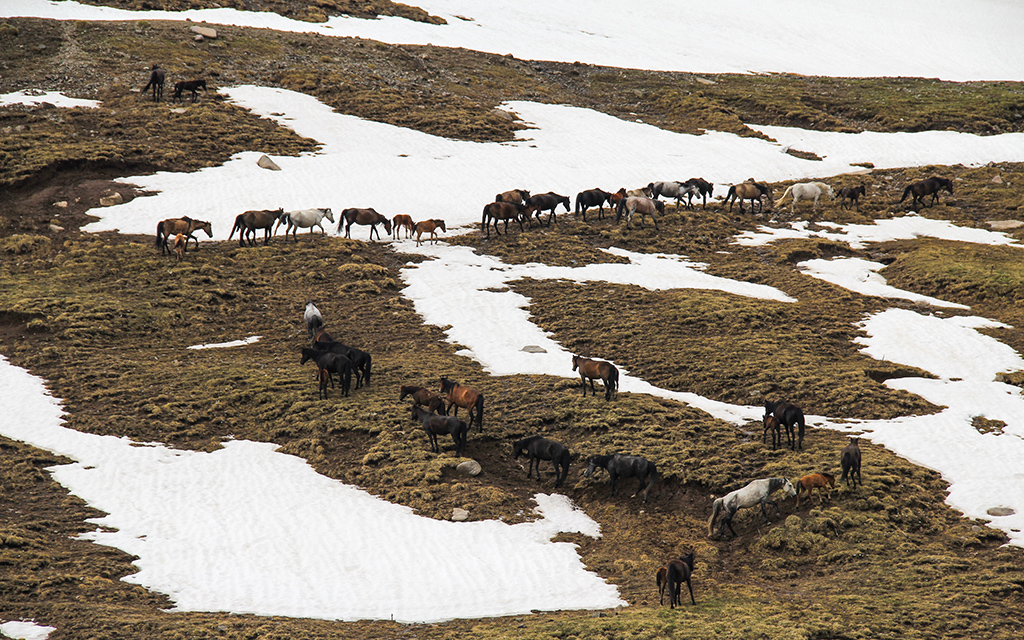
x,y
538,448
927,187
756,492
425,398
183,225
502,211
631,205
853,194
331,362
514,196
429,227
619,465
156,80
676,573
591,370
247,223
192,86
701,187
368,216
592,198
362,362
436,425
546,202
771,425
753,191
849,460
791,417
466,397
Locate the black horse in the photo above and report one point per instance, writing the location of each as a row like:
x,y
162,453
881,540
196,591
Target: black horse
x,y
332,363
679,571
927,187
362,362
156,80
546,202
790,417
434,424
192,86
619,465
539,448
853,193
849,460
592,198
698,186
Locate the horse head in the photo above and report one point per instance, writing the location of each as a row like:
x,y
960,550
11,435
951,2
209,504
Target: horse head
x,y
328,214
591,466
575,362
787,488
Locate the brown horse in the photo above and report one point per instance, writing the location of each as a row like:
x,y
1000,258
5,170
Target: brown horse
x,y
436,425
661,578
179,246
513,196
632,205
546,202
820,481
370,217
502,211
678,572
185,226
156,80
853,193
593,369
466,397
749,190
849,460
425,398
247,223
192,86
617,197
323,376
431,227
402,221
927,187
772,425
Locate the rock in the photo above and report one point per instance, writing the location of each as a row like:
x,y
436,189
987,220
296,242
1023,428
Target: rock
x,y
63,204
56,228
267,163
111,198
205,32
997,180
1001,511
532,348
1004,225
469,468
459,515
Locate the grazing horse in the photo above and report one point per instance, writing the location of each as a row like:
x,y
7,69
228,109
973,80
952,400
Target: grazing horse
x,y
546,202
771,424
853,193
502,211
807,191
539,448
513,196
402,221
156,80
247,223
642,192
749,191
789,416
677,572
434,424
361,361
429,226
593,369
332,362
366,217
849,459
592,198
180,242
617,197
192,86
305,218
756,492
185,226
424,397
927,187
323,376
820,481
313,318
619,465
671,189
466,397
701,187
631,205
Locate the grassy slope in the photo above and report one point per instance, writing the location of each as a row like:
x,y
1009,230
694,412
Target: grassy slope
x,y
101,317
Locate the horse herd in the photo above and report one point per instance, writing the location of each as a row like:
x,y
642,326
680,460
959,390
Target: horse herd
x,y
157,77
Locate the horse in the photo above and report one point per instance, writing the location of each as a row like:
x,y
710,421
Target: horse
x,y
593,369
513,196
400,221
332,362
677,572
671,189
617,197
468,398
849,460
771,424
756,492
434,424
820,481
853,193
247,223
322,336
323,376
183,225
927,187
807,191
701,187
156,80
429,226
642,192
546,202
363,216
539,448
313,319
631,205
789,416
192,86
661,578
305,218
180,242
592,198
425,398
620,465
362,362
749,190
501,211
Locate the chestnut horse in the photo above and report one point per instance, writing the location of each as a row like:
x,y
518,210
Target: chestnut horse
x,y
366,217
247,223
183,225
179,247
431,227
402,221
593,369
425,398
749,190
772,425
466,397
820,481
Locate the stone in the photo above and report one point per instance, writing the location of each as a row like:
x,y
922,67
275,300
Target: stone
x,y
459,515
1004,225
205,32
111,198
267,163
63,204
1001,511
56,228
532,348
469,468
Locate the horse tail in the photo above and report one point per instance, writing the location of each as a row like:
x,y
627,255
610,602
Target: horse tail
x,y
619,209
480,412
906,192
238,225
159,234
613,380
716,509
786,193
366,369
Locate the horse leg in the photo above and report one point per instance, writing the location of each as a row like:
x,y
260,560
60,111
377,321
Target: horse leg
x,y
690,587
583,383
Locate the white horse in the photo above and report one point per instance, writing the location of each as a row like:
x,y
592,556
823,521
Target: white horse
x,y
807,191
644,206
672,189
305,218
757,492
314,321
